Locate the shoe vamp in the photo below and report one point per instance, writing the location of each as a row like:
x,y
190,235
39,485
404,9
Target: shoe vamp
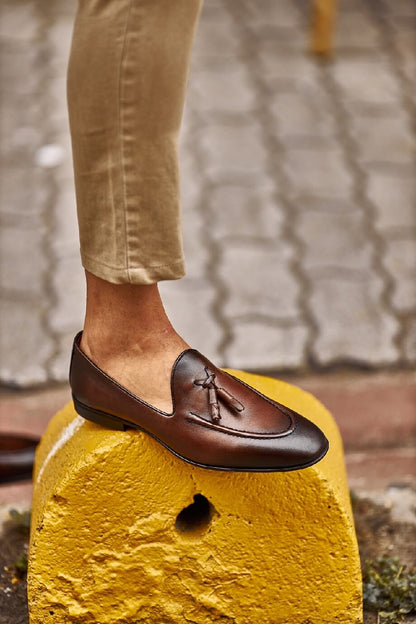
x,y
259,414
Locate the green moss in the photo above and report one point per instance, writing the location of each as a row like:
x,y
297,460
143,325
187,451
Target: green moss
x,y
21,523
21,564
21,519
389,589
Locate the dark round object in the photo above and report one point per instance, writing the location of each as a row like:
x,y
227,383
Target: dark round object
x,y
17,454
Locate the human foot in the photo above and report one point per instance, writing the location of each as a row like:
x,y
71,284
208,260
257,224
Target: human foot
x,y
121,377
128,335
143,366
217,422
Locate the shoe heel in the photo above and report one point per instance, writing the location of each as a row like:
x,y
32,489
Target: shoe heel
x,y
105,420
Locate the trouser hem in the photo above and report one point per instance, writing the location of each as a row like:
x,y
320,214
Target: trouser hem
x,y
138,275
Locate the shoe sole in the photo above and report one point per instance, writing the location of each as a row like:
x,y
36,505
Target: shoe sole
x,y
116,423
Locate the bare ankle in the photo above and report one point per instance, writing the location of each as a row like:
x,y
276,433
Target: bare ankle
x,y
124,317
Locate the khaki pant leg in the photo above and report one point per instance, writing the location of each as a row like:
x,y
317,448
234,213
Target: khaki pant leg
x,y
126,88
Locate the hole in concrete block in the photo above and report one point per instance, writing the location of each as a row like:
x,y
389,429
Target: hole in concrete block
x,y
196,517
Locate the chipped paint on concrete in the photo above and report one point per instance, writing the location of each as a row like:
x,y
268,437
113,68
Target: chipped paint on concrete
x,y
66,434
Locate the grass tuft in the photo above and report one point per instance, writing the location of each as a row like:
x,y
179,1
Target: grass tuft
x,y
389,589
20,518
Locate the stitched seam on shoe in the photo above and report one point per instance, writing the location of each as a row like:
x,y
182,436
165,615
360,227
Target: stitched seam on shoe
x,y
238,432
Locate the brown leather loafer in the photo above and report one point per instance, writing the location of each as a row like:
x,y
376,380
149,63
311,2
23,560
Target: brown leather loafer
x,y
17,454
217,422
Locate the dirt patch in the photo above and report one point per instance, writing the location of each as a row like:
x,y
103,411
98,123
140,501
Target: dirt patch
x,y
13,550
378,535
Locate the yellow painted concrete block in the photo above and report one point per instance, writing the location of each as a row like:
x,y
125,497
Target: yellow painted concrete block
x,y
109,544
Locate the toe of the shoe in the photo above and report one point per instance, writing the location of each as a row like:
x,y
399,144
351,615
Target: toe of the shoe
x,y
307,444
304,446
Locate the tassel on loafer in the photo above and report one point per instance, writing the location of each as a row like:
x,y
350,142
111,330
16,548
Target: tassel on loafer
x,y
218,422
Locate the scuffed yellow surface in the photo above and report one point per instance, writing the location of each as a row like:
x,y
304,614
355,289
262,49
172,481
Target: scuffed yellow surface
x,y
279,548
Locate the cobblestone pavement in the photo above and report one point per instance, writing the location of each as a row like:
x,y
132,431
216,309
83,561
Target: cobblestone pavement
x,y
299,193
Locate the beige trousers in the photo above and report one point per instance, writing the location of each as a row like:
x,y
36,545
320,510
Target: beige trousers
x,y
127,78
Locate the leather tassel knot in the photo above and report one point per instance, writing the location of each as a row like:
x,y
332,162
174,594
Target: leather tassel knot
x,y
214,392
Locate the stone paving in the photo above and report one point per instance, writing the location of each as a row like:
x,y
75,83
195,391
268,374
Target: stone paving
x,y
299,193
